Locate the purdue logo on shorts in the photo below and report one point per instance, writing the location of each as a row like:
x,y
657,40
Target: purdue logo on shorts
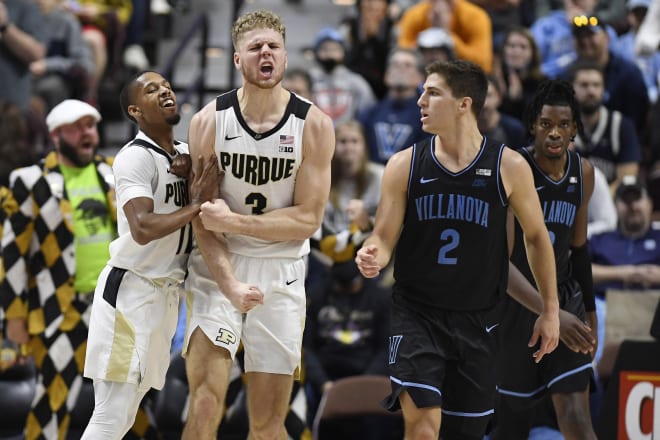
x,y
226,337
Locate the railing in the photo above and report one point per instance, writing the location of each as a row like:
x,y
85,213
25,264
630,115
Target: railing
x,y
198,84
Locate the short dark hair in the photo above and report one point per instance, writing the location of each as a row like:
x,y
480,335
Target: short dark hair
x,y
553,92
584,64
127,94
464,78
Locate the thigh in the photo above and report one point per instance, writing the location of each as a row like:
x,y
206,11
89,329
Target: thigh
x,y
418,356
268,397
272,332
470,381
209,310
207,366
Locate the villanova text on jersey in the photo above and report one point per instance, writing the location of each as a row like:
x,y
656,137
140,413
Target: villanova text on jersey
x,y
257,170
559,211
453,207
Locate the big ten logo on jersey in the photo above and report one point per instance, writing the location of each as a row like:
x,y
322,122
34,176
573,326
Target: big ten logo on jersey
x,y
225,337
639,406
286,144
177,190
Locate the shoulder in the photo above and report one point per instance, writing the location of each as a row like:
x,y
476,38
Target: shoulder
x,y
399,163
318,121
205,118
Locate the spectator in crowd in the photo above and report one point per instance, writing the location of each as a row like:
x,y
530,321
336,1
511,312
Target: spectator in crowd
x,y
648,63
468,24
66,70
611,11
609,138
47,290
346,329
435,44
518,70
298,81
625,89
369,38
630,256
553,35
46,294
394,122
338,91
499,126
21,43
627,258
354,193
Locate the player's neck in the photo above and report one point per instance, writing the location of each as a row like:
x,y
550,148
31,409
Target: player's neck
x,y
164,138
458,148
262,108
555,167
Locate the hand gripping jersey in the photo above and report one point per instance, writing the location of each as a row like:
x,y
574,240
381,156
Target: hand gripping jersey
x,y
560,201
142,170
452,252
260,170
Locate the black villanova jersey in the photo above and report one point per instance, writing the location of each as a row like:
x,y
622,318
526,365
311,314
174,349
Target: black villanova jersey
x,y
452,252
560,201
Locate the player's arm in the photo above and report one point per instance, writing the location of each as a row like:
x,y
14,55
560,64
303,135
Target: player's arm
x,y
376,251
201,142
572,331
303,218
523,200
580,258
146,225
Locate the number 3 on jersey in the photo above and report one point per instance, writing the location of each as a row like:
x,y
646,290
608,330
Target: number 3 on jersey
x,y
451,238
257,201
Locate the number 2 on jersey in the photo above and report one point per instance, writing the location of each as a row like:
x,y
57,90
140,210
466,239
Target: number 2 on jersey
x,y
452,238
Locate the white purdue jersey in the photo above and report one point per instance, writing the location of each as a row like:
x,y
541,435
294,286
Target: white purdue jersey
x,y
260,170
141,169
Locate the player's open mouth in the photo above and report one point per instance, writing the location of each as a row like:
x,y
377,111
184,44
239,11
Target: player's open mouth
x,y
168,103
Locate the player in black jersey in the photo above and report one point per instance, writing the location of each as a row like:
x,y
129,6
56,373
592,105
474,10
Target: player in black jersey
x,y
443,208
564,183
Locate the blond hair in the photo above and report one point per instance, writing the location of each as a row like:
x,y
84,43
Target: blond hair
x,y
261,19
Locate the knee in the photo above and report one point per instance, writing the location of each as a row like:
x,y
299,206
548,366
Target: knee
x,y
206,405
267,426
574,416
422,431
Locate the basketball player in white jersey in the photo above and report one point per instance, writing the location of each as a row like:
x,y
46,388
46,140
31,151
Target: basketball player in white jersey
x,y
275,150
135,307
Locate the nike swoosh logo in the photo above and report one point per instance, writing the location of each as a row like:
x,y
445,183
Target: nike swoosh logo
x,y
288,283
490,329
424,180
539,188
229,138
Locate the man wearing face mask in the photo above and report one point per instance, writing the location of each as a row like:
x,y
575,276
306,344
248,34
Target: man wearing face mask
x,y
336,90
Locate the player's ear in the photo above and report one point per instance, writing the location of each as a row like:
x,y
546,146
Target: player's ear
x,y
134,110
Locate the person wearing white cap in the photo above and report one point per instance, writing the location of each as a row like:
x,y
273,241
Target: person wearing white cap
x,y
127,355
54,247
